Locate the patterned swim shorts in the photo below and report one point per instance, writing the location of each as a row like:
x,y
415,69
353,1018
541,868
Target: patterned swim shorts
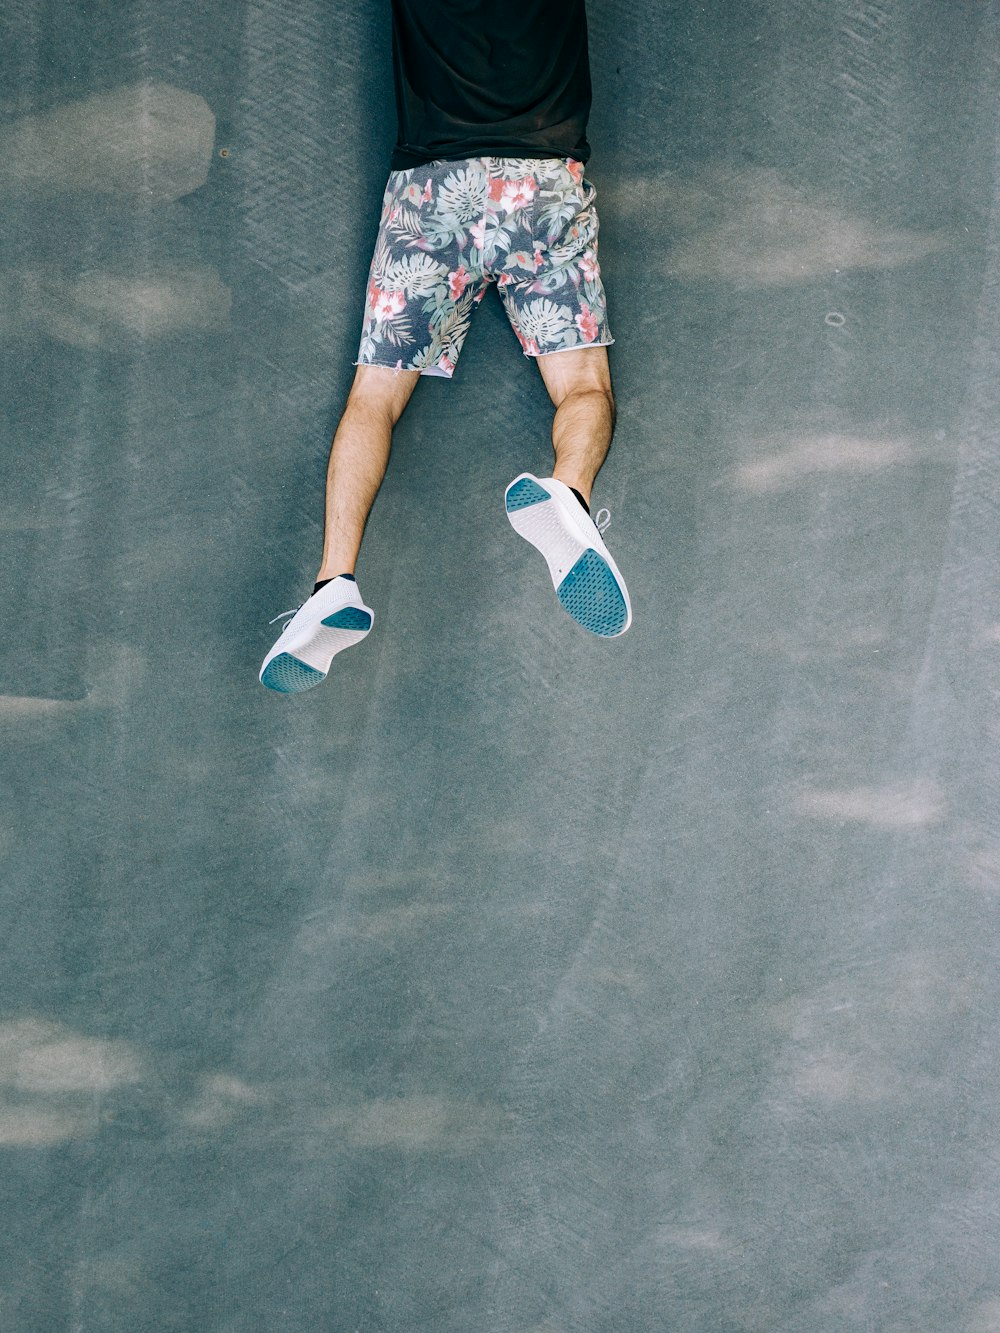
x,y
449,229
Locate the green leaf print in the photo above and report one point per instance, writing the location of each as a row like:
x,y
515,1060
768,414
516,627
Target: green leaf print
x,y
414,274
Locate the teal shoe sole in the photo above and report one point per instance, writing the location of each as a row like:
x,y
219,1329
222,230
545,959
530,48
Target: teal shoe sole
x,y
591,595
349,617
288,675
524,493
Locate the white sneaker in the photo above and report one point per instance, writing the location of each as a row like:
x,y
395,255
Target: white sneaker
x,y
587,581
332,619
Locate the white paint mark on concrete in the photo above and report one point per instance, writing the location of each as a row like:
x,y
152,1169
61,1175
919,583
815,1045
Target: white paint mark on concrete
x,y
99,308
18,707
755,228
793,461
49,1077
421,1122
38,1056
904,806
39,1126
221,1099
149,140
154,304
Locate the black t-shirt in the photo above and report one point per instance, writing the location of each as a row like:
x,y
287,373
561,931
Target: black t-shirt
x,y
490,78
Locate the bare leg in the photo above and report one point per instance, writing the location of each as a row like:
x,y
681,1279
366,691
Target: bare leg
x,y
579,384
358,459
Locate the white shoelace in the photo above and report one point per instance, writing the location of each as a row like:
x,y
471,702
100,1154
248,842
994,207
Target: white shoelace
x,y
286,615
602,520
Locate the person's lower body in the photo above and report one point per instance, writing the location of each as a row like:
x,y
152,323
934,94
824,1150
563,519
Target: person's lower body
x,y
447,231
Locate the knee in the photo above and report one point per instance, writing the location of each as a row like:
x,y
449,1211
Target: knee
x,y
591,398
381,392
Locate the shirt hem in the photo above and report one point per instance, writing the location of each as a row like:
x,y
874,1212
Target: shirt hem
x,y
406,159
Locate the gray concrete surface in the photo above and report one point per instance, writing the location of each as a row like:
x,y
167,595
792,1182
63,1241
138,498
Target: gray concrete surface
x,y
511,981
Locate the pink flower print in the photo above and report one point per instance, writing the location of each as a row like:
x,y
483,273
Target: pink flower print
x,y
446,364
478,234
575,169
387,304
504,279
589,266
457,282
425,198
587,324
536,261
523,260
515,194
520,193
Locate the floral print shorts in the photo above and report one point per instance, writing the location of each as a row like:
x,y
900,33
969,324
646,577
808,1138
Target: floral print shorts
x,y
449,229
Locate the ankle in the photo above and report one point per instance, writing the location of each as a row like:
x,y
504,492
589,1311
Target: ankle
x,y
324,579
579,488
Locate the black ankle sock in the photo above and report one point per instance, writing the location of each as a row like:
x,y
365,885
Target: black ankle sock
x,y
580,498
323,582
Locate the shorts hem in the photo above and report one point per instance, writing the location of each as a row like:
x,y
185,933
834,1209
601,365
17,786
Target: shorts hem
x,y
434,372
533,356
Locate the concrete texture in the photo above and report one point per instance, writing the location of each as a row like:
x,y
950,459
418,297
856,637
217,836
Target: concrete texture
x,y
511,980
